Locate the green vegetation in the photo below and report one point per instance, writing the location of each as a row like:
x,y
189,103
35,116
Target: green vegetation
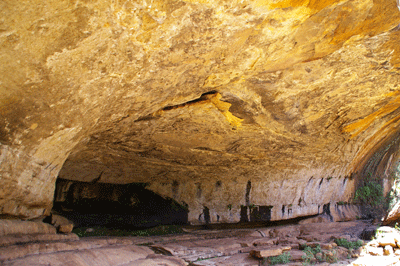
x,y
103,231
252,206
348,244
308,257
281,259
312,255
397,227
370,196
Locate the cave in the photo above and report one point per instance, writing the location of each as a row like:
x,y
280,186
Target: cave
x,y
223,127
120,206
196,112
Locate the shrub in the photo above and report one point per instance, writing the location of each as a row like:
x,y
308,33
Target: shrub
x,y
308,257
370,196
281,259
316,254
348,244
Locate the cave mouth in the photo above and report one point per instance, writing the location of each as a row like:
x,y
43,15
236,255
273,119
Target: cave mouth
x,y
120,206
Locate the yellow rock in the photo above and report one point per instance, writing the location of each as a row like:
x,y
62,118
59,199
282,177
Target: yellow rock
x,y
277,105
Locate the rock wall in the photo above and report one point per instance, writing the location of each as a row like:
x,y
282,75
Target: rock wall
x,y
216,104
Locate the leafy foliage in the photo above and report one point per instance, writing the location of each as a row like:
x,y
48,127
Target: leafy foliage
x,y
281,259
308,257
348,244
316,254
370,196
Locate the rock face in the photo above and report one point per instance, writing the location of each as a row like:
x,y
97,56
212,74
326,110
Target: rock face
x,y
223,106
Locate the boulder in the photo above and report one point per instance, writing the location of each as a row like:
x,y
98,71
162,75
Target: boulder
x,y
296,255
62,224
270,252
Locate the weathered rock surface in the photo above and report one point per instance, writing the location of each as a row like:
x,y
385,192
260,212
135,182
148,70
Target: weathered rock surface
x,y
18,247
271,252
62,224
219,105
209,247
117,255
15,227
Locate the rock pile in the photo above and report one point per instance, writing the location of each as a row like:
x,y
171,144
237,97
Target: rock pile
x,y
291,245
384,249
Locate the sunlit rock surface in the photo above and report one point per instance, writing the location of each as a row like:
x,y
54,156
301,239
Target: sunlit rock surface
x,y
222,106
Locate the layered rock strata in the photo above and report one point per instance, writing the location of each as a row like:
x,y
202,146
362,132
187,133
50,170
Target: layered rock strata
x,y
219,105
196,247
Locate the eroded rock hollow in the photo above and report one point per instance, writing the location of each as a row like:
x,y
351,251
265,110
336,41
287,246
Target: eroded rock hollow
x,y
233,110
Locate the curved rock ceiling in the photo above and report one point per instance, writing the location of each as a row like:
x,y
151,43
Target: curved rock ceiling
x,y
216,104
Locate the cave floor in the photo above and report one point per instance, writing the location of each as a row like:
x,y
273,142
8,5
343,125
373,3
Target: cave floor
x,y
240,246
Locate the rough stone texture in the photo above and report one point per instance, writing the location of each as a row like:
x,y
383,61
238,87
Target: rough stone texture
x,y
62,224
271,252
126,255
26,238
394,215
15,227
272,104
199,247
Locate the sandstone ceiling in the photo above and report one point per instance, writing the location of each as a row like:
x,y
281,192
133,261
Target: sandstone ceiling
x,y
212,103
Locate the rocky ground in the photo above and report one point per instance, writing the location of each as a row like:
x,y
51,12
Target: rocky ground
x,y
30,243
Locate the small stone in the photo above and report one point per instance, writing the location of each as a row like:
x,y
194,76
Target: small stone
x,y
388,250
302,243
265,242
326,245
62,224
65,228
265,253
296,255
341,252
259,254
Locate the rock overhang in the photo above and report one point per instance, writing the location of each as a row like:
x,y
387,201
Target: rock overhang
x,y
292,96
